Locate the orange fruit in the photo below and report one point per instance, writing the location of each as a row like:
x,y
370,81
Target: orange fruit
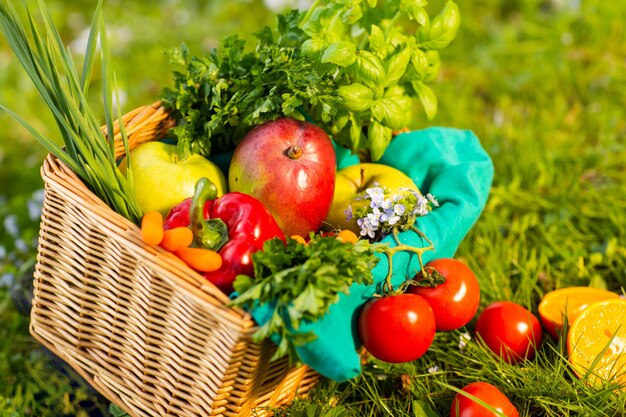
x,y
568,302
596,342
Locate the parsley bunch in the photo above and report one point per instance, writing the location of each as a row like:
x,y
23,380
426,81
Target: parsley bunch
x,y
218,98
300,282
354,67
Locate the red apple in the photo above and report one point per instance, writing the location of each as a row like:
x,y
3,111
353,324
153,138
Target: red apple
x,y
288,165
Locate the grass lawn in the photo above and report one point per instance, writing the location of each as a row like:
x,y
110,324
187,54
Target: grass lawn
x,y
543,85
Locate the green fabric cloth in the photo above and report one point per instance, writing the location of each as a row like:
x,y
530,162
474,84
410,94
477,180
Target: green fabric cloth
x,y
451,165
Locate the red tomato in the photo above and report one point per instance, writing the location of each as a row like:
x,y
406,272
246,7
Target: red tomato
x,y
463,406
456,301
397,328
509,330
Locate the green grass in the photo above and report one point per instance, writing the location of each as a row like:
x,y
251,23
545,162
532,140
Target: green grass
x,y
543,85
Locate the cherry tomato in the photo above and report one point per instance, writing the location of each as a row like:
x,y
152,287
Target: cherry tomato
x,y
509,330
456,301
463,406
397,328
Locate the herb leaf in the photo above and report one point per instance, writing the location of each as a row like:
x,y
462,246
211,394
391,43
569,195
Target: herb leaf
x,y
300,283
312,65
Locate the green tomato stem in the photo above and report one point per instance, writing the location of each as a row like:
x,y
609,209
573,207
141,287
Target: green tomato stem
x,y
389,252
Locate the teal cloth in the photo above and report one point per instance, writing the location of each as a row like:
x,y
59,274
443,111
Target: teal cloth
x,y
451,165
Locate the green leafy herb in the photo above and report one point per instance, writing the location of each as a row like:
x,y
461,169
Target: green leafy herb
x,y
220,97
300,282
354,67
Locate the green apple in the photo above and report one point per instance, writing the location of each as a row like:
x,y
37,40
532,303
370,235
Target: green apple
x,y
161,179
351,182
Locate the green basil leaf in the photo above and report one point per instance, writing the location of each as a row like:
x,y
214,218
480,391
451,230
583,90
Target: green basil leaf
x,y
357,97
397,66
396,37
393,112
443,28
419,60
434,63
340,121
313,26
352,14
357,138
416,11
341,53
427,97
312,47
378,138
377,41
369,68
371,3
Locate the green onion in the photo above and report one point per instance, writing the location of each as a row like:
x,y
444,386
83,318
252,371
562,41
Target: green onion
x,y
87,150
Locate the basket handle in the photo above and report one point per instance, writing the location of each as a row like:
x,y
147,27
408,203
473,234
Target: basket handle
x,y
143,124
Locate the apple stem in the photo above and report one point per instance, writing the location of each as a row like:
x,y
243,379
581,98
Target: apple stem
x,y
294,152
389,252
362,184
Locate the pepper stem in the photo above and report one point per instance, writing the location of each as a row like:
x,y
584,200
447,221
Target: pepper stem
x,y
207,233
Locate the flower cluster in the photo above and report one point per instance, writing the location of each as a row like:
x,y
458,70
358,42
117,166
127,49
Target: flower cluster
x,y
388,211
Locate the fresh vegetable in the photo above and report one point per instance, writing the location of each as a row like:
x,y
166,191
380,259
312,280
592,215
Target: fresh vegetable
x,y
596,343
347,236
300,283
152,228
456,300
161,179
566,304
397,328
298,239
351,184
177,238
465,406
349,65
235,225
200,259
509,330
86,150
290,167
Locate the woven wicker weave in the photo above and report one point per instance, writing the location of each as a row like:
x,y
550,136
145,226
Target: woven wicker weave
x,y
142,328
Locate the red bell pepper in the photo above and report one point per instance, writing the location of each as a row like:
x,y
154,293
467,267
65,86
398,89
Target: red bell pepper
x,y
235,224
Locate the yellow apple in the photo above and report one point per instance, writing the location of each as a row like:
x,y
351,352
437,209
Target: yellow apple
x,y
161,179
351,182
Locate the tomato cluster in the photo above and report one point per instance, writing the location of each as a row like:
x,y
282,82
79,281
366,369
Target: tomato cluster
x,y
401,327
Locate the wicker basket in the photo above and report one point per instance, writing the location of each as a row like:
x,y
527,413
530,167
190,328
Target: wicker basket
x,y
142,328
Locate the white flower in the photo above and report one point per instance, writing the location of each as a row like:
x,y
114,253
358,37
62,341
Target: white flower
x,y
348,212
367,228
399,209
433,369
463,339
432,199
422,206
376,195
